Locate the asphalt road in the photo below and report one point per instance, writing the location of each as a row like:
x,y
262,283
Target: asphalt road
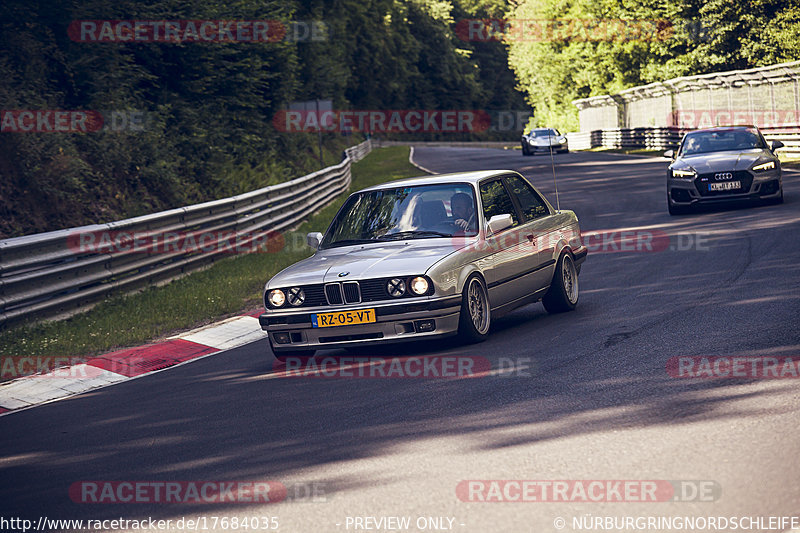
x,y
589,399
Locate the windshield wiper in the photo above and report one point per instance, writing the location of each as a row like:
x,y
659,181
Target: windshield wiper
x,y
349,242
412,233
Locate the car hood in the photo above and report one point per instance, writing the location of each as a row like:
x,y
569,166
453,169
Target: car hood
x,y
721,161
367,261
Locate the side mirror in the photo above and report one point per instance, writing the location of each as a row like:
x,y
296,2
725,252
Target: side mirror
x,y
670,154
500,222
776,144
313,239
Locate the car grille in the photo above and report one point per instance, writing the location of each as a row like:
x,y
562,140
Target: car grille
x,y
348,292
333,293
339,293
702,180
315,295
373,290
352,294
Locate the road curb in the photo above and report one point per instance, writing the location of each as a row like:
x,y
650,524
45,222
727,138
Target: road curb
x,y
131,363
411,160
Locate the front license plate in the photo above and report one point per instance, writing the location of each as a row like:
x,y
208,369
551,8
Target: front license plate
x,y
725,186
343,318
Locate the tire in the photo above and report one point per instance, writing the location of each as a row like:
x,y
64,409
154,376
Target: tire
x,y
563,292
476,314
525,150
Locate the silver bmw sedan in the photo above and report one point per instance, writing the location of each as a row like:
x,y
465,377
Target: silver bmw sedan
x,y
426,257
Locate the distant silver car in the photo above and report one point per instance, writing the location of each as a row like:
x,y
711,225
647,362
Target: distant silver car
x,y
426,257
723,164
543,140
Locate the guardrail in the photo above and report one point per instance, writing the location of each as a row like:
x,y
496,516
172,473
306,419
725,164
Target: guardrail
x,y
454,144
53,275
668,138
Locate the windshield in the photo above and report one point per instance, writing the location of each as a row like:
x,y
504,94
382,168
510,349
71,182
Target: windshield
x,y
721,140
547,132
419,212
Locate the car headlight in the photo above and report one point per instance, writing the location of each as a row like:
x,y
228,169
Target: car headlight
x,y
396,287
683,174
276,298
562,140
296,296
419,285
764,166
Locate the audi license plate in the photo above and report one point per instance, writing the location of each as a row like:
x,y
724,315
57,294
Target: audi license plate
x,y
343,318
725,186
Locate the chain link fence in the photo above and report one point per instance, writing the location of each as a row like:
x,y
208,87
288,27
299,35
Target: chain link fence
x,y
767,97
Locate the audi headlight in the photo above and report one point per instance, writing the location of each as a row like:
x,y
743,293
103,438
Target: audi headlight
x,y
396,287
764,166
276,298
296,296
562,140
683,174
419,285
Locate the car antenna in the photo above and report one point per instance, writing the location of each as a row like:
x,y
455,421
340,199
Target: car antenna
x,y
553,163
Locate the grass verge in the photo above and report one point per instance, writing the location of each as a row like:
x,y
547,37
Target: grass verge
x,y
230,287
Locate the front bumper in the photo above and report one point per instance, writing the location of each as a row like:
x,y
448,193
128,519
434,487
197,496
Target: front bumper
x,y
395,322
693,192
544,148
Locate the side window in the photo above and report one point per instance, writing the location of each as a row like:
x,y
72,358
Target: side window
x,y
531,203
496,201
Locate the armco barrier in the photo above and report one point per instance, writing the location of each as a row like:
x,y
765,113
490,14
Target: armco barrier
x,y
44,275
669,138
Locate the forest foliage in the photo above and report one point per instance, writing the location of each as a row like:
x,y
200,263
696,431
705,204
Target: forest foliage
x,y
208,109
657,41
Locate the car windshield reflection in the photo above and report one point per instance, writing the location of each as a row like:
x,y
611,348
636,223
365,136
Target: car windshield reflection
x,y
543,133
721,141
414,212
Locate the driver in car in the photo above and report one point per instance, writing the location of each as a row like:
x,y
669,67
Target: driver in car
x,y
463,211
692,146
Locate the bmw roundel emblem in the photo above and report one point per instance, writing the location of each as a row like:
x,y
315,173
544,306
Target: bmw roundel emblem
x,y
343,274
